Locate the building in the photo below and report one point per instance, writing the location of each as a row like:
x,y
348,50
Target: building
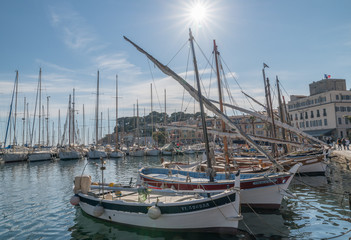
x,y
326,112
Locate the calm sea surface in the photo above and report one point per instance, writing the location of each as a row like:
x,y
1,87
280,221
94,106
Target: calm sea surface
x,y
34,204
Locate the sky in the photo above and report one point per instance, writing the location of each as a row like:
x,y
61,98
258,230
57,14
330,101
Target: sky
x,y
70,41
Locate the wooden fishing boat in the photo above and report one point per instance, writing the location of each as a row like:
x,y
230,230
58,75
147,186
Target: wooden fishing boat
x,y
159,209
259,190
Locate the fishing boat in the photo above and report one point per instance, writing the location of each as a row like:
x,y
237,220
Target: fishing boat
x,y
259,190
195,210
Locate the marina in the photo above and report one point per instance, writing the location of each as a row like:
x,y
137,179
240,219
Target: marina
x,y
150,120
321,210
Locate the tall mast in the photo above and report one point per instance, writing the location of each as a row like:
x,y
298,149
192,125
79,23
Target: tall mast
x,y
165,118
15,123
43,124
152,116
101,126
47,121
69,121
53,133
225,142
59,128
73,121
138,136
28,124
83,126
108,126
97,111
39,107
24,121
281,110
274,133
116,112
207,146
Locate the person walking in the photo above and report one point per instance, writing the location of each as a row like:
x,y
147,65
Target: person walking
x,y
338,143
347,143
343,142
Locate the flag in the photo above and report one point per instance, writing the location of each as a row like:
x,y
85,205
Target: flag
x,y
326,76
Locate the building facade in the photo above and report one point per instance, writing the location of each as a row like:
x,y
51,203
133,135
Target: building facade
x,y
326,112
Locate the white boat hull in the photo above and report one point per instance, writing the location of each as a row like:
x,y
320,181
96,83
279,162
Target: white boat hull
x,y
70,155
116,154
137,153
95,154
216,217
14,157
152,152
39,156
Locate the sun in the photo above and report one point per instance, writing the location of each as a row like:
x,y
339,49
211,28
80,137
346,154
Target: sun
x,y
198,12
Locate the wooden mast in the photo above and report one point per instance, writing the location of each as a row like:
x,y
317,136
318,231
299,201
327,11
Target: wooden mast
x,y
207,146
225,141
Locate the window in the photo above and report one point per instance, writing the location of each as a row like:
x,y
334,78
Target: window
x,y
346,120
339,120
324,112
295,116
336,109
337,97
320,122
307,124
259,126
291,117
325,122
318,114
301,116
312,116
306,115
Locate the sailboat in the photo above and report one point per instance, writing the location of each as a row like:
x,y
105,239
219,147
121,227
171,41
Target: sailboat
x,y
96,152
14,153
152,150
261,190
38,154
70,152
136,150
116,153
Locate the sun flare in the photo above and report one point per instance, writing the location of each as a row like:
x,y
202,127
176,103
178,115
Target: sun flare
x,y
198,12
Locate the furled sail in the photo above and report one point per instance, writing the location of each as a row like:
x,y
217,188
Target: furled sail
x,y
194,93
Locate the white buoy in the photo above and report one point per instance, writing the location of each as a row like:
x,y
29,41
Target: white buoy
x,y
98,210
154,212
74,200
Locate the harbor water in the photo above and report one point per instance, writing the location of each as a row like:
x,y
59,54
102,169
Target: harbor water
x,y
35,204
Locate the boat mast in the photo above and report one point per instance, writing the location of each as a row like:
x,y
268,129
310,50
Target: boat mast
x,y
152,117
97,111
69,120
108,126
39,107
207,146
47,121
138,136
116,112
225,142
24,121
73,120
83,126
15,123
